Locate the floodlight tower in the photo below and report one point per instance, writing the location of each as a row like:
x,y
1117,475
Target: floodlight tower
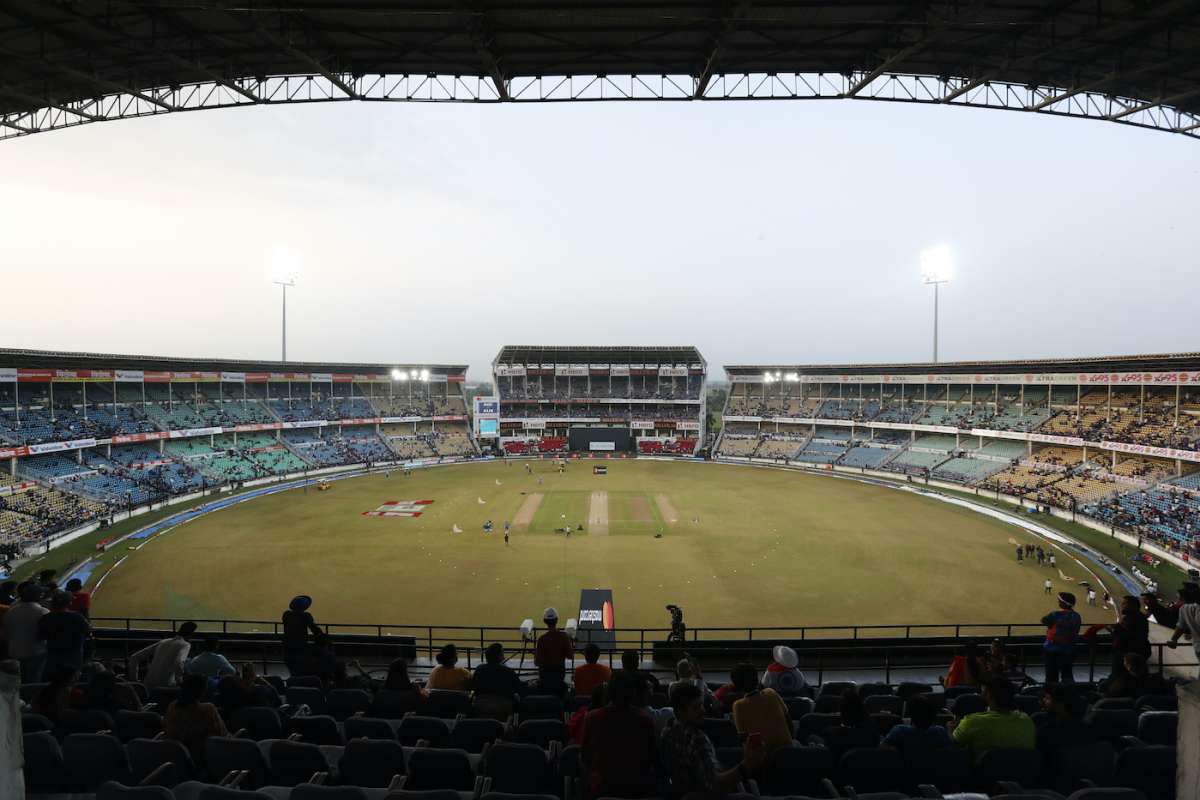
x,y
284,267
937,267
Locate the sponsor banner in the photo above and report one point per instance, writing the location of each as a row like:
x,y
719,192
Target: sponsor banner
x,y
58,447
128,376
733,418
641,425
190,432
534,425
156,377
606,447
8,375
746,379
1147,450
304,423
257,377
437,378
195,377
490,405
793,420
13,452
258,426
1019,435
127,438
321,377
456,378
343,378
82,375
597,623
613,420
619,371
571,370
359,421
450,418
672,372
34,375
687,425
1070,441
393,420
233,377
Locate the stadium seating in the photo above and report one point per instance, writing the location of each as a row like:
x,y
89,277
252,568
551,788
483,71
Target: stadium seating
x,y
738,446
866,456
967,470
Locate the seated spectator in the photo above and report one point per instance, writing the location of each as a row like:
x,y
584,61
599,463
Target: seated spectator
x,y
687,673
618,748
398,680
782,673
760,711
494,677
688,754
631,662
446,675
967,668
58,696
575,722
190,721
590,674
1001,726
919,734
209,662
1135,679
351,675
855,727
660,716
262,693
104,693
1062,724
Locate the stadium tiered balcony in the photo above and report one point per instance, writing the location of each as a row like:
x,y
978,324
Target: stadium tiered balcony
x,y
175,418
1003,448
962,469
773,447
1023,479
915,462
229,413
121,420
367,447
738,446
867,457
51,466
937,442
188,448
411,448
822,451
293,410
1170,515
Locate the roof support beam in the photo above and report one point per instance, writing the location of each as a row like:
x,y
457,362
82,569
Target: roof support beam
x,y
103,84
1164,101
45,102
485,48
731,13
932,35
300,55
5,123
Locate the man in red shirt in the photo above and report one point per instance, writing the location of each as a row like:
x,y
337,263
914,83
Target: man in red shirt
x,y
81,601
618,747
553,648
590,675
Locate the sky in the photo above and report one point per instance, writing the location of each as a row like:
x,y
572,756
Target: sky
x,y
760,232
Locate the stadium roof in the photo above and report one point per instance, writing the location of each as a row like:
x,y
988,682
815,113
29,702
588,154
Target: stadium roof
x,y
587,354
1150,363
50,359
70,63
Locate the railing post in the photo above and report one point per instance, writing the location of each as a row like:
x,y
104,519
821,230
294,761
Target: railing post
x,y
887,666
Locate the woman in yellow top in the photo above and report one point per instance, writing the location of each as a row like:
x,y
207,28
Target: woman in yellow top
x,y
448,676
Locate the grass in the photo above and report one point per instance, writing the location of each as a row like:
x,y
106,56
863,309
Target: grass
x,y
772,548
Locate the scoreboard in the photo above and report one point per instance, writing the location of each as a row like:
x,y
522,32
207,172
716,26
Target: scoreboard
x,y
487,417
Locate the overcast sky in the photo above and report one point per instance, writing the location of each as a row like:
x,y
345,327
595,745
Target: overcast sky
x,y
765,232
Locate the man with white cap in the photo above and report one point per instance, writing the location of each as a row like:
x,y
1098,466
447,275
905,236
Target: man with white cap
x,y
783,674
552,650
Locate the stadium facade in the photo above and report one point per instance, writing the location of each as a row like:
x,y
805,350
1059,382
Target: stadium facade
x,y
649,400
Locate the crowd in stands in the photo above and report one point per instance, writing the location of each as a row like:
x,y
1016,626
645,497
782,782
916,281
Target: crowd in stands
x,y
580,730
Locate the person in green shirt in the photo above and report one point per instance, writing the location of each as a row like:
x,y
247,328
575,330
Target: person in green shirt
x,y
1001,726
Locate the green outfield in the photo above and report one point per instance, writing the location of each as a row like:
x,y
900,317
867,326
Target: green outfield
x,y
739,546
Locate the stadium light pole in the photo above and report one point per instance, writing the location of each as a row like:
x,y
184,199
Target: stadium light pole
x,y
285,285
937,267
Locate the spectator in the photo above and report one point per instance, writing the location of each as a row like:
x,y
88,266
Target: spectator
x,y
397,678
21,630
104,693
1062,633
1001,726
297,625
1131,634
760,711
166,656
920,734
631,662
1062,723
190,721
688,754
782,673
209,662
967,668
618,747
319,660
1188,622
81,601
262,693
58,696
553,648
856,728
446,675
575,721
494,677
344,679
687,673
590,674
65,634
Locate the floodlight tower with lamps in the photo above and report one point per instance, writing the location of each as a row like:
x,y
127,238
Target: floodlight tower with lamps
x,y
284,268
937,267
